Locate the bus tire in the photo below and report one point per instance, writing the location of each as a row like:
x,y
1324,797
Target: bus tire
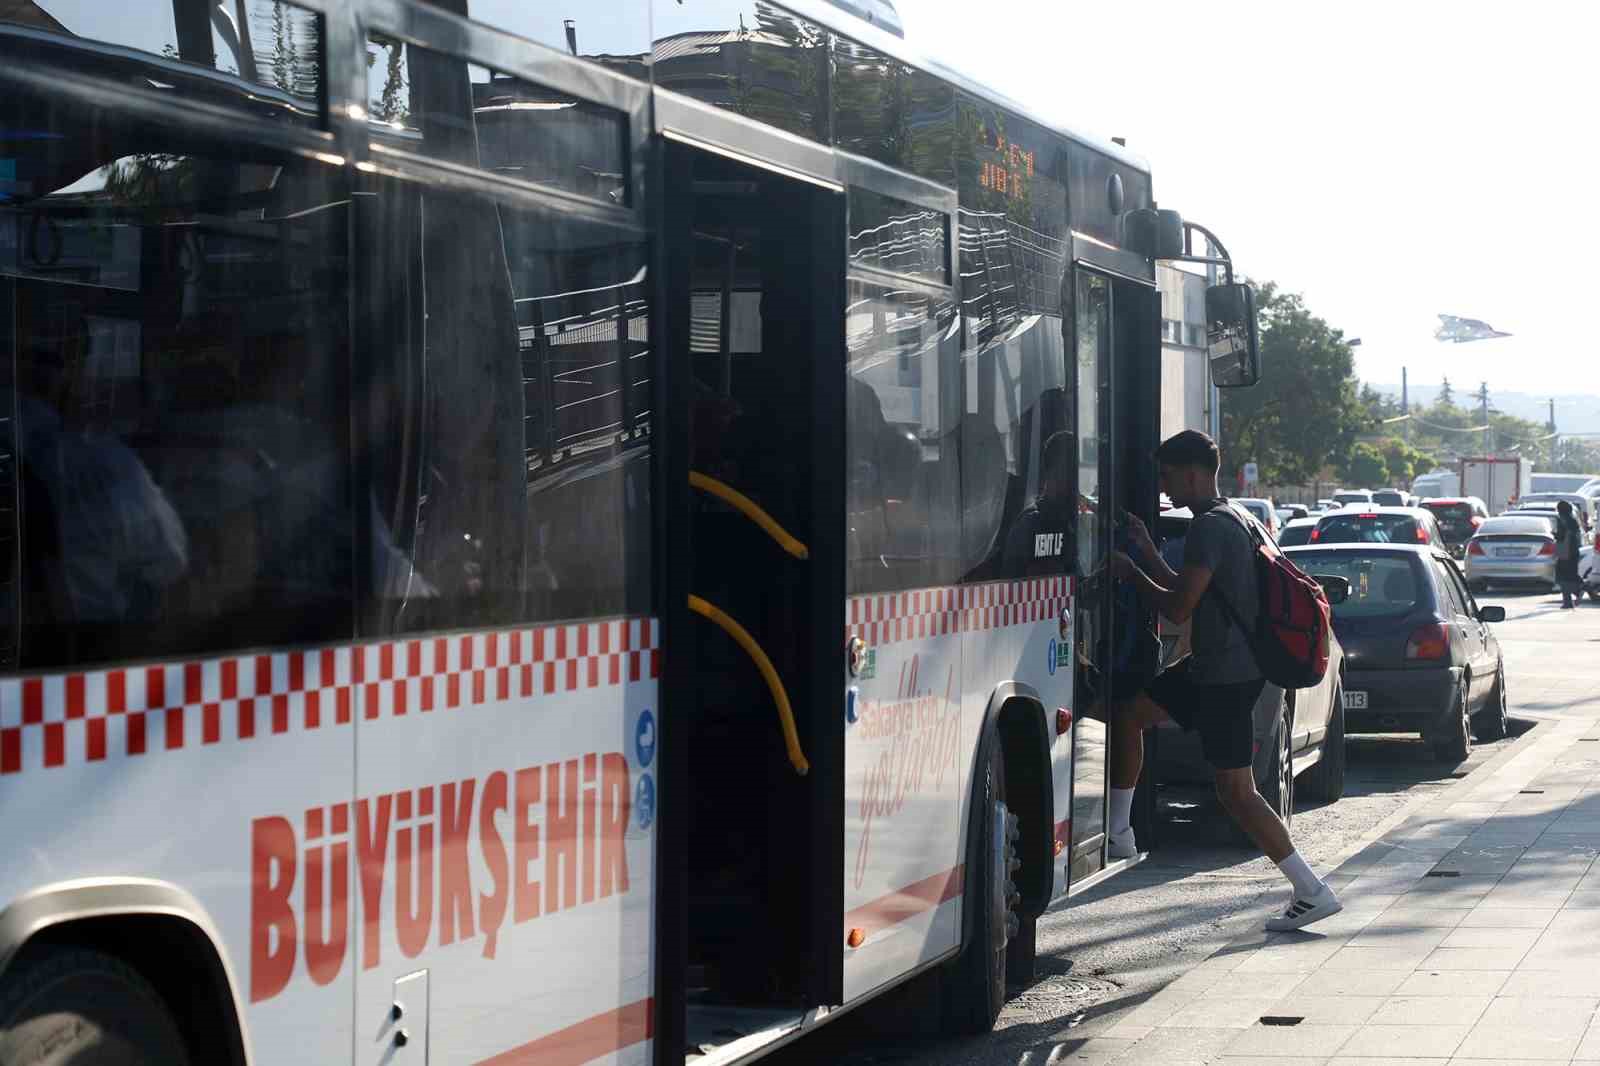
x,y
976,988
66,1006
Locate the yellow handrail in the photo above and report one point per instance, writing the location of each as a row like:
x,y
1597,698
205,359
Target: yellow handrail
x,y
791,738
751,510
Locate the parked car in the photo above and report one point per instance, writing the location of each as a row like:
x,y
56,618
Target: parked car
x,y
1381,525
1327,505
1345,497
1459,517
1298,531
1418,651
1288,512
1390,498
1263,510
1513,549
1299,735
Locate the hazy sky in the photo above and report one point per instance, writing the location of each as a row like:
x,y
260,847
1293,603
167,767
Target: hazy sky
x,y
1390,161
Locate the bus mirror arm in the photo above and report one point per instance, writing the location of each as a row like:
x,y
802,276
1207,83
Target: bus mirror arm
x,y
791,737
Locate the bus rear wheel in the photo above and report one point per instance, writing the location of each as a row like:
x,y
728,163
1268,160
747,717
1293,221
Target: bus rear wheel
x,y
73,1007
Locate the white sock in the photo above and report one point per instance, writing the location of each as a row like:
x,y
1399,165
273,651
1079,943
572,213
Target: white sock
x,y
1121,810
1306,884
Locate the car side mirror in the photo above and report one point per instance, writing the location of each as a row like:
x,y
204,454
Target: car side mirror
x,y
1493,613
1231,343
1337,589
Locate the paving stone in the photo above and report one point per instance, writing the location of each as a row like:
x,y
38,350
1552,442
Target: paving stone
x,y
1501,1042
1551,1016
1431,1010
1474,959
1406,1040
1485,916
1367,959
1473,937
1551,984
1290,1040
1351,983
1453,982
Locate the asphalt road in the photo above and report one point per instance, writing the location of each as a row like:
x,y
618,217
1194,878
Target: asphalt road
x,y
1104,952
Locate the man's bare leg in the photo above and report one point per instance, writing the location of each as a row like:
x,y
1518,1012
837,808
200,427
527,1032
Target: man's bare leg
x,y
1236,791
1127,727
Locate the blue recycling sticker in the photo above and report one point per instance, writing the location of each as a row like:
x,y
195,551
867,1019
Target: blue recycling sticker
x,y
644,737
644,800
1051,662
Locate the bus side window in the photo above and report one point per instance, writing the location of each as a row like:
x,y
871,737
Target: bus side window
x,y
508,347
902,463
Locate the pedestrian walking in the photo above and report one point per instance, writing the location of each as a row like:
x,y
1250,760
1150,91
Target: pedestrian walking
x,y
1568,538
1214,690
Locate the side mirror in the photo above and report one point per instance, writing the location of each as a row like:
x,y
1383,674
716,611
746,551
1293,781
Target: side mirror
x,y
1337,589
1493,613
1231,343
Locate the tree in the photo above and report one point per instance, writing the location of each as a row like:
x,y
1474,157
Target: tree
x,y
1403,461
1447,395
1305,413
1365,466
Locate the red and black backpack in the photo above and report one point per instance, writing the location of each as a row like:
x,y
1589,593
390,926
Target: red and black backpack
x,y
1293,619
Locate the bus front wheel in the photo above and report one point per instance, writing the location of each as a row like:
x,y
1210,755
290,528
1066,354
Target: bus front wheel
x,y
61,1006
977,988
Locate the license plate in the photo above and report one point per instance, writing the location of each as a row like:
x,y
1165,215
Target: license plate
x,y
1511,552
1355,701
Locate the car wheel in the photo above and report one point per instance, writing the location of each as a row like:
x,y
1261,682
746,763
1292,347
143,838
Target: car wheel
x,y
1594,594
1325,781
1457,743
1491,723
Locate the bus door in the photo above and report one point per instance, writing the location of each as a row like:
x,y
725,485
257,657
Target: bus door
x,y
1092,322
753,250
1117,374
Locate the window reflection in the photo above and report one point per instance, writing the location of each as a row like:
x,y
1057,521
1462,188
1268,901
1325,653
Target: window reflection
x,y
517,129
748,57
903,463
268,43
890,234
896,114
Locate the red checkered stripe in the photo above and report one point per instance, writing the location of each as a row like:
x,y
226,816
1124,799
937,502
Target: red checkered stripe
x,y
938,612
61,719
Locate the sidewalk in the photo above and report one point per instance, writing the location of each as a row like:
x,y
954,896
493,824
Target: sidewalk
x,y
1470,935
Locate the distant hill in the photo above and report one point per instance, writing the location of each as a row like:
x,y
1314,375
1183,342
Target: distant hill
x,y
1575,412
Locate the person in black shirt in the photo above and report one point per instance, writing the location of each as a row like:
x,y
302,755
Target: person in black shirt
x,y
1041,539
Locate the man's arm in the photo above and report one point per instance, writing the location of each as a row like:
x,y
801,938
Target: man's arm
x,y
1176,601
1139,533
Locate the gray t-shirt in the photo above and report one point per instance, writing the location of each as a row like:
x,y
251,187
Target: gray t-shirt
x,y
1222,655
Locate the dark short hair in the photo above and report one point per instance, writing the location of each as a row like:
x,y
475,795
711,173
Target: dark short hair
x,y
1190,448
1060,452
1564,506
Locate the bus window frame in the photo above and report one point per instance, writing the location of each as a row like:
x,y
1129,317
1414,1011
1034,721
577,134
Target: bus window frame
x,y
482,45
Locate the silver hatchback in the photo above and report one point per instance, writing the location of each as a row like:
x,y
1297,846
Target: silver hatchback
x,y
1513,549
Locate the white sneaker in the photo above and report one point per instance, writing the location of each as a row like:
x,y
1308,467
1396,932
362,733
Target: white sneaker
x,y
1123,845
1302,912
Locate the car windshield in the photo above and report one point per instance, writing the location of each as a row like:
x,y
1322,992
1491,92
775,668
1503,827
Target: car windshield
x,y
1380,585
1389,499
1519,525
1352,497
1257,508
1296,534
1368,529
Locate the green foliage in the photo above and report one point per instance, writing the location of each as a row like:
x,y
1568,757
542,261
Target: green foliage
x,y
1403,461
1305,413
1365,466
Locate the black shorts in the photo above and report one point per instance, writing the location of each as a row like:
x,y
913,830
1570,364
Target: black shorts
x,y
1224,715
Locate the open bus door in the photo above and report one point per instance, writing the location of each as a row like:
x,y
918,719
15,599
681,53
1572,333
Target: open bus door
x,y
753,271
1118,376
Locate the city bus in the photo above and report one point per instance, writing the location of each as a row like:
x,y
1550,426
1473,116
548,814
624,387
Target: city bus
x,y
549,533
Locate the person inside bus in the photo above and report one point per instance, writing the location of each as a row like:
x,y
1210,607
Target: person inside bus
x,y
1041,540
107,540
